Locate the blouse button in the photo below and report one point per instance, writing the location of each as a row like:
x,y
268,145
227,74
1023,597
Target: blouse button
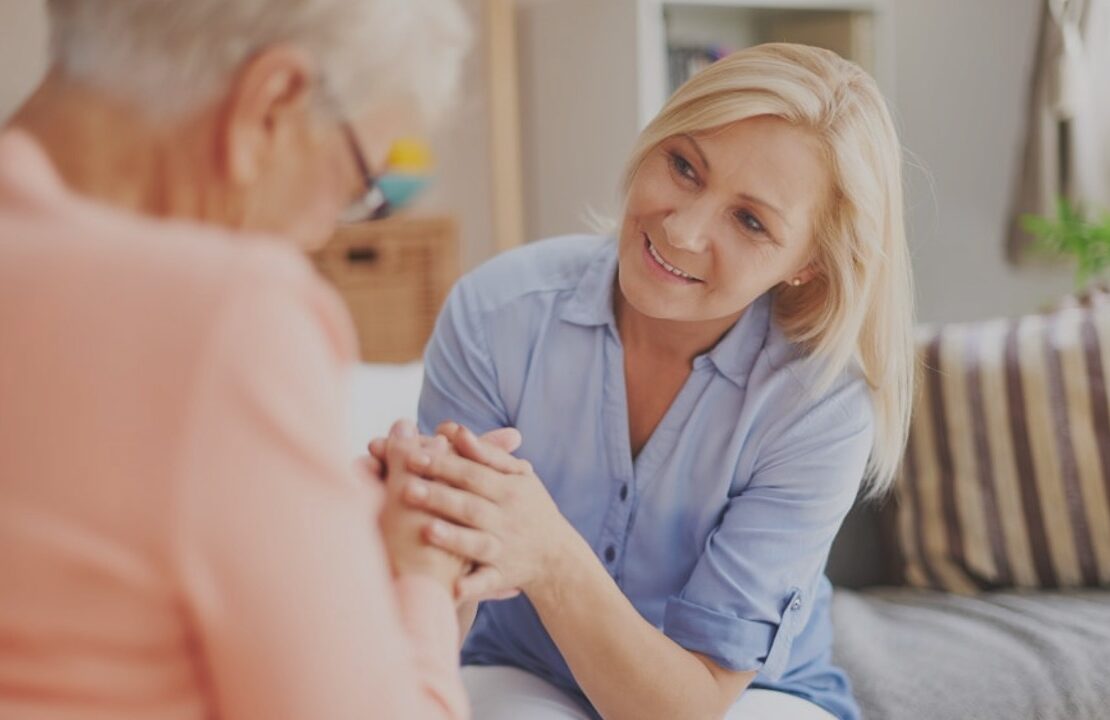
x,y
610,554
624,492
797,604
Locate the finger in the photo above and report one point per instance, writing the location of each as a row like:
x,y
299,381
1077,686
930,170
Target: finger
x,y
475,545
507,439
402,429
438,445
461,473
372,467
399,452
447,429
414,446
457,506
378,447
485,582
470,446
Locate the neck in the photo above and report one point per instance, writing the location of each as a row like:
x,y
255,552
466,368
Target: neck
x,y
670,341
105,150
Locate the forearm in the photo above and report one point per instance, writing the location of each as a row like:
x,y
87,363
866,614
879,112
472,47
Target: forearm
x,y
625,666
430,627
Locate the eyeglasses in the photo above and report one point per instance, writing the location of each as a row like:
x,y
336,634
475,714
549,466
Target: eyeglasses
x,y
372,204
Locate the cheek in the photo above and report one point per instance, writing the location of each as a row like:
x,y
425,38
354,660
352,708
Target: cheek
x,y
746,267
647,199
313,204
653,190
323,185
331,190
329,198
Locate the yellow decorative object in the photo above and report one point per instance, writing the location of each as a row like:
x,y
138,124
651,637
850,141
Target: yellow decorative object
x,y
410,156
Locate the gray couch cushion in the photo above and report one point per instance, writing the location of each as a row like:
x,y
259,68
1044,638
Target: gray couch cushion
x,y
921,654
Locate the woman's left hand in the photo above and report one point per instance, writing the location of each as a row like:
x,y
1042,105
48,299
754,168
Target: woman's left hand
x,y
493,510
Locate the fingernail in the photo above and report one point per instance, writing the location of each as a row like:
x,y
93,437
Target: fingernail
x,y
438,529
421,460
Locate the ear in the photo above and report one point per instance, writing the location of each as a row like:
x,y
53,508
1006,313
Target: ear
x,y
805,275
270,90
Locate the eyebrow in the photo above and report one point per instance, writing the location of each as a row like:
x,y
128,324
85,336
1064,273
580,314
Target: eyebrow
x,y
743,196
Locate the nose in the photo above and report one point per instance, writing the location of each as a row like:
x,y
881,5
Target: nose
x,y
690,228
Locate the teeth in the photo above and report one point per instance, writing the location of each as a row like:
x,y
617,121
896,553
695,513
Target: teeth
x,y
670,268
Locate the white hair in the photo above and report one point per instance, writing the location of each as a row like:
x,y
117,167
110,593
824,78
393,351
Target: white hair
x,y
168,57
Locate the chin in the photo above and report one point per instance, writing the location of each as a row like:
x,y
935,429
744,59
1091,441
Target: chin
x,y
648,301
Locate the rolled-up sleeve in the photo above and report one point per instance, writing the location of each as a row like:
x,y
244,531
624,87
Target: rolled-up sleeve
x,y
750,592
460,382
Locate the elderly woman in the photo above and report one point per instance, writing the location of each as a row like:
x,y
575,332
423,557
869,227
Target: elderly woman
x,y
700,397
181,534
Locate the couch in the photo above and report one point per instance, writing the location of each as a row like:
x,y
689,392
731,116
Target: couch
x,y
980,588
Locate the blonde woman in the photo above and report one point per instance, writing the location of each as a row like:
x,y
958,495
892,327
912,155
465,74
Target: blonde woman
x,y
700,401
182,534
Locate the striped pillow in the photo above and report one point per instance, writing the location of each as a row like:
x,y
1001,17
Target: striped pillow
x,y
1006,480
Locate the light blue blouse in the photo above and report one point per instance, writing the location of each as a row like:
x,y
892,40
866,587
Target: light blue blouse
x,y
719,531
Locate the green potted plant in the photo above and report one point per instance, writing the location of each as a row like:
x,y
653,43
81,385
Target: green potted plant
x,y
1073,233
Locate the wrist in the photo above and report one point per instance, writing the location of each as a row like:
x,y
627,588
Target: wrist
x,y
435,572
561,565
408,553
412,559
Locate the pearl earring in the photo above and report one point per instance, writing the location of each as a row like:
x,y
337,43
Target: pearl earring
x,y
796,282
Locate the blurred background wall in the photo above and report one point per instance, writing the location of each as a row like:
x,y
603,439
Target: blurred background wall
x,y
957,74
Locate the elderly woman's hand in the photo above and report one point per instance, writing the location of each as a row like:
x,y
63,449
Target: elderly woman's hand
x,y
373,464
401,525
493,510
376,465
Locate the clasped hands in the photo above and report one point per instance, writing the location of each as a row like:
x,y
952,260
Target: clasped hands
x,y
467,512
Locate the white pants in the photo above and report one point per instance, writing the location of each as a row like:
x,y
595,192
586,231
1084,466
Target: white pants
x,y
507,693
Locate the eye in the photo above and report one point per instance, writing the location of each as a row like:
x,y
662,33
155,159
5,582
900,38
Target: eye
x,y
683,167
751,222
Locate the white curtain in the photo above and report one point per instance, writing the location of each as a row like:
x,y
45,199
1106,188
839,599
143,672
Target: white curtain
x,y
1067,150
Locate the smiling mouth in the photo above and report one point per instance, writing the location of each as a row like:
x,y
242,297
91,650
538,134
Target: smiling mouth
x,y
677,272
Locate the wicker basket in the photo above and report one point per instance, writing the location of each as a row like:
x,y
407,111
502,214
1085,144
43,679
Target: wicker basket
x,y
394,276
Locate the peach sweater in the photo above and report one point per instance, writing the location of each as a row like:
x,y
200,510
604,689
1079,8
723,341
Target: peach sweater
x,y
181,532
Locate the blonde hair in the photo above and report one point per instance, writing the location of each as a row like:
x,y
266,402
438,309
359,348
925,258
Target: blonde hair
x,y
367,51
860,307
